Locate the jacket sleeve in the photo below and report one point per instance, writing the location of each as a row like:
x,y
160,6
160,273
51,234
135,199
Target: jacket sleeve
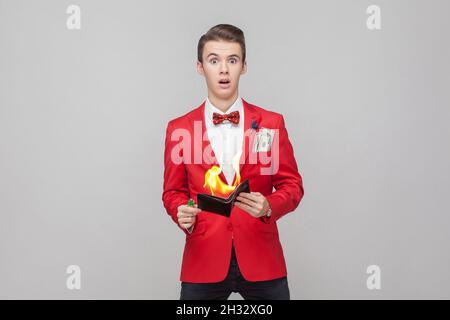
x,y
175,189
286,180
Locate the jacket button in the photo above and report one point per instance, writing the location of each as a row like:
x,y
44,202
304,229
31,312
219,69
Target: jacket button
x,y
230,227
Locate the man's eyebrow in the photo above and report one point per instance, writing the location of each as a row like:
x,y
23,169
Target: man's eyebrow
x,y
230,56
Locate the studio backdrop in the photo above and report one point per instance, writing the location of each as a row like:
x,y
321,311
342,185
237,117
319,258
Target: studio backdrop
x,y
87,89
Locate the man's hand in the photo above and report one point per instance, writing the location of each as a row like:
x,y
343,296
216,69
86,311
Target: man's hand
x,y
187,215
253,203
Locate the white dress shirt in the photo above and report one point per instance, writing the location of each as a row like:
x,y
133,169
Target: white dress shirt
x,y
226,137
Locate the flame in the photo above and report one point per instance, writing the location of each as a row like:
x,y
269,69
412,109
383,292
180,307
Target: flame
x,y
216,185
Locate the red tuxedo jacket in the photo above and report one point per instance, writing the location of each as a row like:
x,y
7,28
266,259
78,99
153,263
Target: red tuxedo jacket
x,y
207,250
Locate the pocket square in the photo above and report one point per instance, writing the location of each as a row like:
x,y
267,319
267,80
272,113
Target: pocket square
x,y
263,140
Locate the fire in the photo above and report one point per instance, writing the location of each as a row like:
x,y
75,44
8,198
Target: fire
x,y
216,185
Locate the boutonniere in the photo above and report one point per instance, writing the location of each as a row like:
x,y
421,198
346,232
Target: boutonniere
x,y
254,125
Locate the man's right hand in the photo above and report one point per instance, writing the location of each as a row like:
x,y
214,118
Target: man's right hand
x,y
187,215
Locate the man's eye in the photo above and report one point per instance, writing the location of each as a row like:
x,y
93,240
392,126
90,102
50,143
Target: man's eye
x,y
233,61
213,61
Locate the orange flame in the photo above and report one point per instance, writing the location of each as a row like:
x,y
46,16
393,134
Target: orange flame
x,y
216,185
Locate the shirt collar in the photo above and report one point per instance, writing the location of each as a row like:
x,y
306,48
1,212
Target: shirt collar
x,y
236,106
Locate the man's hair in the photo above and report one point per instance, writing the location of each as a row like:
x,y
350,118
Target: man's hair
x,y
221,32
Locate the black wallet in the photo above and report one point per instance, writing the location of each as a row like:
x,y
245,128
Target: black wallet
x,y
220,205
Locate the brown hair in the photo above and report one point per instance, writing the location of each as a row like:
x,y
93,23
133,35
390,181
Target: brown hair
x,y
224,32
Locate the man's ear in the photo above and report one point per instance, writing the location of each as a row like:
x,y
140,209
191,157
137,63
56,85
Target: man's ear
x,y
244,68
200,68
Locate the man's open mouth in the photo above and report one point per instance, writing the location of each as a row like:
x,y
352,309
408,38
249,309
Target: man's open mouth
x,y
224,81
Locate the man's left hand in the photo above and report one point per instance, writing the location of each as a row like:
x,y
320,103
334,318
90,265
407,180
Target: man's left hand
x,y
253,203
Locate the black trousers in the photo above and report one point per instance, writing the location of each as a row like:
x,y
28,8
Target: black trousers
x,y
276,289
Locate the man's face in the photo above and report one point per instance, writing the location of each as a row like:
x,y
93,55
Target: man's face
x,y
222,66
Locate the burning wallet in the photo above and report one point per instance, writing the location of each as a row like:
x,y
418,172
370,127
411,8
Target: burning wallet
x,y
220,205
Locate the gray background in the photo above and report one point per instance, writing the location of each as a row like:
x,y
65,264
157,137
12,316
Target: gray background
x,y
82,123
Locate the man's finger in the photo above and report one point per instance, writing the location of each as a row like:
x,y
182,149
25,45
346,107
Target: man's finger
x,y
246,208
191,210
186,220
186,216
181,214
249,202
250,196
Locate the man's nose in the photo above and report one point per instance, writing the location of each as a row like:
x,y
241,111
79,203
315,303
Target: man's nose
x,y
223,67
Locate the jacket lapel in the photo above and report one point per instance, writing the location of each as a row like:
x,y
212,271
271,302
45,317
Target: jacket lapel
x,y
251,116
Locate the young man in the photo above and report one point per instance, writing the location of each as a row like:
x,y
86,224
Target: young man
x,y
240,253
